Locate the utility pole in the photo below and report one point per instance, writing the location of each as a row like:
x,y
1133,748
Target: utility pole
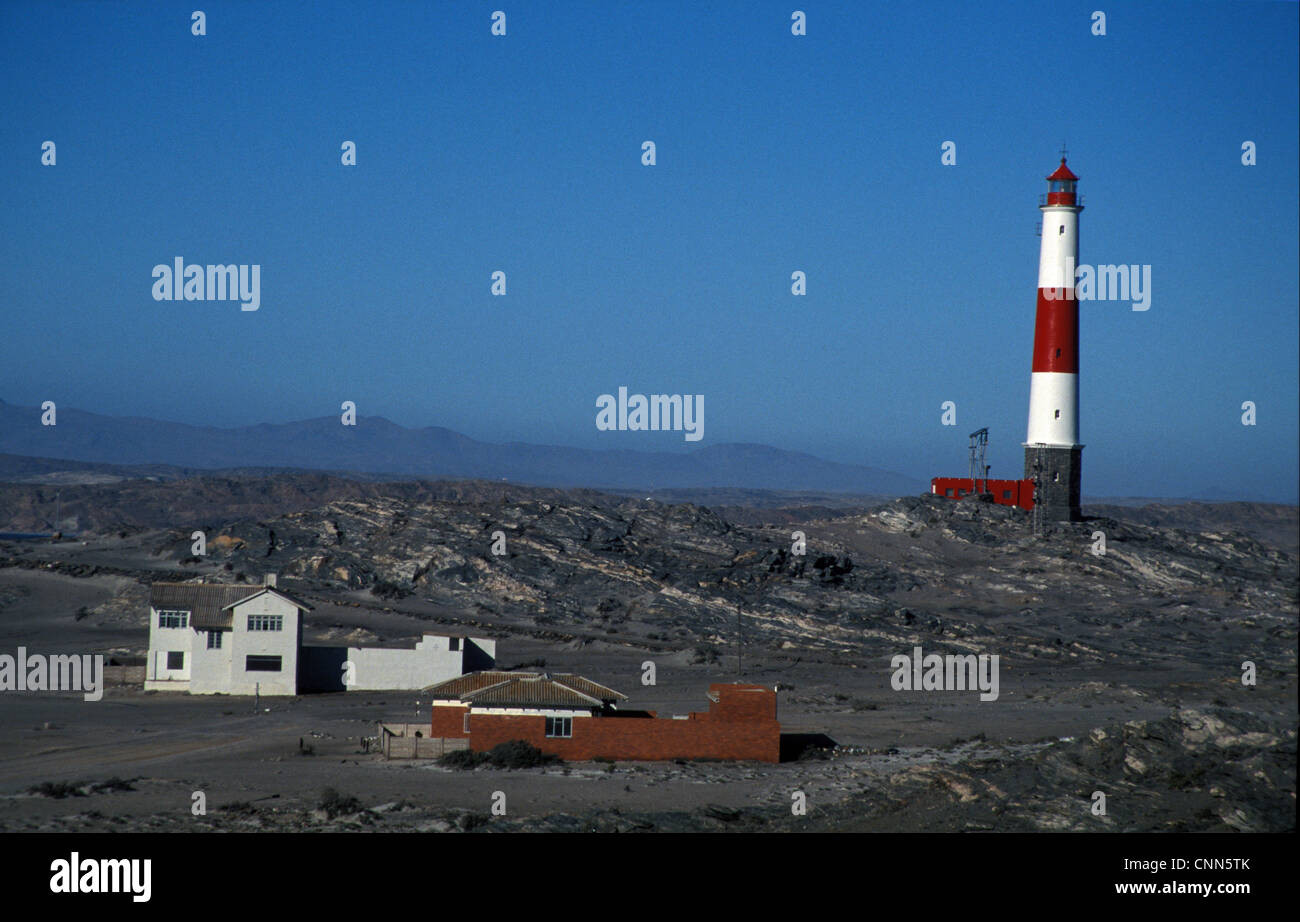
x,y
740,643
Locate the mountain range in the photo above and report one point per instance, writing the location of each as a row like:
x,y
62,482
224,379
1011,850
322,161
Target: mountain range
x,y
376,445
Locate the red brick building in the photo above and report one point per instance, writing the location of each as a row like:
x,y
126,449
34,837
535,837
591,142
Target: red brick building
x,y
577,719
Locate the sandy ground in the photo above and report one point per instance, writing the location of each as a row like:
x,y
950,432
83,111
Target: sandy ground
x,y
168,746
172,745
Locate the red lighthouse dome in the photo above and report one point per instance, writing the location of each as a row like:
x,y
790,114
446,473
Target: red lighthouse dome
x,y
1060,189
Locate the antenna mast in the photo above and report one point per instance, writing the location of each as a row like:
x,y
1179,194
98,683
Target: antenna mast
x,y
979,440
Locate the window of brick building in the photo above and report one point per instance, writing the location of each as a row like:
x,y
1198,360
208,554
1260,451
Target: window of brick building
x,y
559,726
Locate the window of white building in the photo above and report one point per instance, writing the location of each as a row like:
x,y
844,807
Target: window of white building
x,y
173,618
266,622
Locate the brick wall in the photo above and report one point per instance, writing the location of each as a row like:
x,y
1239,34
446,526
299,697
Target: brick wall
x,y
740,724
448,721
742,702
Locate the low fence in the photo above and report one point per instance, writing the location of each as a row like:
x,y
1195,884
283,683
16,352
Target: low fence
x,y
411,741
124,675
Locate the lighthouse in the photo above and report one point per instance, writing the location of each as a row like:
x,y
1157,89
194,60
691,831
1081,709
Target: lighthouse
x,y
1052,451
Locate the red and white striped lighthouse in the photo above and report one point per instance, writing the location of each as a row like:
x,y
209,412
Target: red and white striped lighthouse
x,y
1052,450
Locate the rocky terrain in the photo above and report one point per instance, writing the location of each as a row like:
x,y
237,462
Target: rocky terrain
x,y
1121,671
1218,770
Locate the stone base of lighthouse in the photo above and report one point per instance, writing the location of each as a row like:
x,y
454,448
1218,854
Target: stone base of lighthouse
x,y
1057,473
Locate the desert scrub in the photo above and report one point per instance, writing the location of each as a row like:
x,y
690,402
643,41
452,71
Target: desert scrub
x,y
336,804
384,589
704,654
462,758
112,785
509,755
58,789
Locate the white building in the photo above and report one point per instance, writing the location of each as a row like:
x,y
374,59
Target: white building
x,y
443,657
235,638
241,638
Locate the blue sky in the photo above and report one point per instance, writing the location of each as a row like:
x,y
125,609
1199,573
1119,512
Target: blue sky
x,y
819,153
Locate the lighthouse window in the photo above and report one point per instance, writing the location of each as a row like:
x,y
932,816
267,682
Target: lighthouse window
x,y
1058,353
1058,414
1061,231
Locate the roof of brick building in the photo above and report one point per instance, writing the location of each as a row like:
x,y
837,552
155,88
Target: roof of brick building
x,y
526,689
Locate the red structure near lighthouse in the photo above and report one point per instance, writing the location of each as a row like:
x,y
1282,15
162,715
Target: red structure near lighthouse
x,y
1053,454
